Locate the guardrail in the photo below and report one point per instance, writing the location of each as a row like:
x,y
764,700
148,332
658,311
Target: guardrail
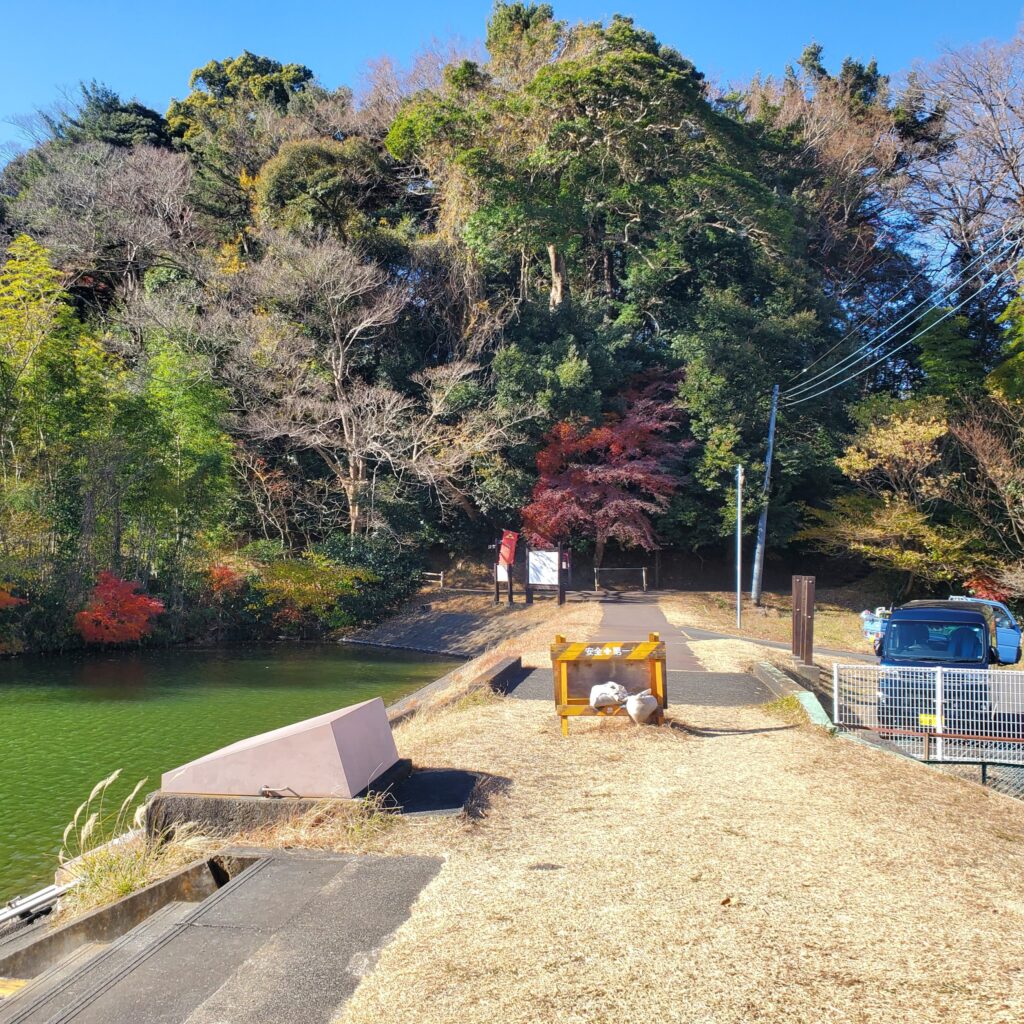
x,y
435,577
972,716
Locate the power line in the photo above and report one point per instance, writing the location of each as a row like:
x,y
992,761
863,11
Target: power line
x,y
870,347
889,355
853,330
858,326
873,343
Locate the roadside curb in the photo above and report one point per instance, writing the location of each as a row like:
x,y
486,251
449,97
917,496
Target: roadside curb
x,y
419,649
783,685
497,676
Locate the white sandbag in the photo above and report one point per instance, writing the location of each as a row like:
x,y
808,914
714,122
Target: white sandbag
x,y
606,695
640,706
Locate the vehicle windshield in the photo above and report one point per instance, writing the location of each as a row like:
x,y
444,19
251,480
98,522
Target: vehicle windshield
x,y
920,640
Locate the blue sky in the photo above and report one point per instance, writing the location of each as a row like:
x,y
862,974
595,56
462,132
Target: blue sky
x,y
147,49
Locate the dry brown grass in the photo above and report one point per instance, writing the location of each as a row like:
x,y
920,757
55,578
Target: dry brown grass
x,y
837,623
367,825
729,868
735,655
355,826
743,655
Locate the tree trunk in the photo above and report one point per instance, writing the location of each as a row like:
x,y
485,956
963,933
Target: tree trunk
x,y
611,285
559,279
353,487
599,552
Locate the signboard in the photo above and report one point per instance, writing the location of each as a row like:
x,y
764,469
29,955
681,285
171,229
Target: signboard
x,y
502,573
542,568
507,554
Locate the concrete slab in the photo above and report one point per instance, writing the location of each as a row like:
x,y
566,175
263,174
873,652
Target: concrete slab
x,y
309,968
71,991
334,755
435,791
269,898
166,983
287,940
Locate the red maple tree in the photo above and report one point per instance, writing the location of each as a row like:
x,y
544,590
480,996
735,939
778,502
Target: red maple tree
x,y
8,600
224,579
607,482
117,613
986,587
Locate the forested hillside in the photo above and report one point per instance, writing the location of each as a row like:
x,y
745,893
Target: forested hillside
x,y
259,352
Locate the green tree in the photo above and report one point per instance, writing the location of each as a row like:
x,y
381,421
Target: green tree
x,y
229,123
313,183
100,115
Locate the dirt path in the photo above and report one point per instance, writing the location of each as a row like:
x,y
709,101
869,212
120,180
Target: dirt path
x,y
733,868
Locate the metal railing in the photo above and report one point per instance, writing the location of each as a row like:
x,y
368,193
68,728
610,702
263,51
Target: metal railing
x,y
604,580
973,716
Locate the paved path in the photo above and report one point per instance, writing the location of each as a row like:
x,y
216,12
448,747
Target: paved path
x,y
688,683
287,940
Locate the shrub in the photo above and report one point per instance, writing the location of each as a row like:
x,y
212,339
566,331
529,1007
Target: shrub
x,y
107,854
306,592
10,639
117,613
396,575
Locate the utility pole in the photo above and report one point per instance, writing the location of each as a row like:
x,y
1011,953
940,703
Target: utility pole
x,y
762,522
739,546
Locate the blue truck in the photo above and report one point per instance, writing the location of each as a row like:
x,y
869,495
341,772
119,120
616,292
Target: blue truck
x,y
958,634
1004,628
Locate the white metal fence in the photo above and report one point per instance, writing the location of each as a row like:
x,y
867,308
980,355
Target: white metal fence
x,y
935,714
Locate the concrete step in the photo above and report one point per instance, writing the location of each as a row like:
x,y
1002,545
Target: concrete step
x,y
168,978
38,988
60,987
310,967
286,940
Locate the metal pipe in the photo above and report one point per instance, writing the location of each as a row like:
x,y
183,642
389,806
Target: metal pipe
x,y
762,522
739,545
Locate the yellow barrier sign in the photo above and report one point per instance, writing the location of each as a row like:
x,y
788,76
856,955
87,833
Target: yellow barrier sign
x,y
637,665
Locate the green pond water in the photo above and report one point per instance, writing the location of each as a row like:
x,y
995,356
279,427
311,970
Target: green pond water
x,y
65,723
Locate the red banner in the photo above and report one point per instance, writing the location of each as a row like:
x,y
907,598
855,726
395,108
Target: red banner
x,y
507,555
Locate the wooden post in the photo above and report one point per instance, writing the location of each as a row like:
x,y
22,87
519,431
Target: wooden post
x,y
807,633
795,599
561,574
497,584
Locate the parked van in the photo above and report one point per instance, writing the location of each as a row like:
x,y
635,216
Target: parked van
x,y
929,633
920,637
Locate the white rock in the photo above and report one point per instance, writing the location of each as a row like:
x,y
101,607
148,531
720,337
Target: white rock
x,y
606,695
640,706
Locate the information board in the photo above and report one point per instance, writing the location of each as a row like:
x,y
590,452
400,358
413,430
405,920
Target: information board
x,y
542,568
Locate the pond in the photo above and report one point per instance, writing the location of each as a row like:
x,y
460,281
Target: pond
x,y
69,722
